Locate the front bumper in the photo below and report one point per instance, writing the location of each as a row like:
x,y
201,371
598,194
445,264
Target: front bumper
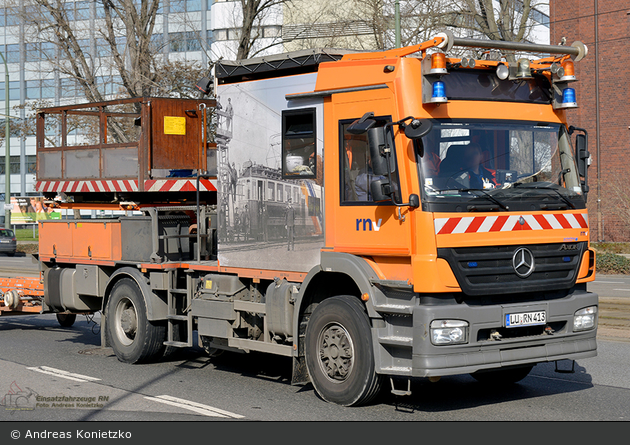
x,y
483,353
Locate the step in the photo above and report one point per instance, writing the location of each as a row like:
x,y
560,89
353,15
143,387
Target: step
x,y
178,344
396,370
394,309
396,341
177,317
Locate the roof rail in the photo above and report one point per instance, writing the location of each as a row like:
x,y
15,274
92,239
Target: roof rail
x,y
446,40
577,49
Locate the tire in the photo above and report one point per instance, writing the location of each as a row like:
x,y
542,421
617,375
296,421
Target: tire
x,y
66,320
133,337
500,377
339,353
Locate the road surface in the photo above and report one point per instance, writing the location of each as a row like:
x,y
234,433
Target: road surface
x,y
63,374
76,379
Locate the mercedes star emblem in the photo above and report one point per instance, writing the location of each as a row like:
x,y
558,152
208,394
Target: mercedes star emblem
x,y
523,262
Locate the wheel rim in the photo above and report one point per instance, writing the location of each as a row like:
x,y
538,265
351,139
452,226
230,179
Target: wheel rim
x,y
336,352
126,321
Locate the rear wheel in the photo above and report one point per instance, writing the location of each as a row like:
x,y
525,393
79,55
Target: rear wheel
x,y
339,353
502,376
133,337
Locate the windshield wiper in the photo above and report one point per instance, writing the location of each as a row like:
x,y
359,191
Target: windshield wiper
x,y
564,198
545,187
487,195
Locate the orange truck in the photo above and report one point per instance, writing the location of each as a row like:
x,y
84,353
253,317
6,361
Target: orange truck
x,y
376,216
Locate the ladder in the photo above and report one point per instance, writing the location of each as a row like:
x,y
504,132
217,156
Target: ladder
x,y
179,317
224,182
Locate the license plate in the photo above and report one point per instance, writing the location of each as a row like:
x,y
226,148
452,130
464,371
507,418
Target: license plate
x,y
525,319
5,241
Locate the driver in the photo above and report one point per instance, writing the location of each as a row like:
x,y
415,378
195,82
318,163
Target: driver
x,y
479,176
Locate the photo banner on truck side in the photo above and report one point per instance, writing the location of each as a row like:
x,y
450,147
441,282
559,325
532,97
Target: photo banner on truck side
x,y
267,220
30,209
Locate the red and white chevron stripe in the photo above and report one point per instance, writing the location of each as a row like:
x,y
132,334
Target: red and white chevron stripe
x,y
124,185
508,223
179,185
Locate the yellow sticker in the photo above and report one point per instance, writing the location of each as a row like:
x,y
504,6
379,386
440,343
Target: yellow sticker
x,y
208,284
174,125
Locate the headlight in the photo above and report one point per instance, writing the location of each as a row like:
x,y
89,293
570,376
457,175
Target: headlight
x,y
449,332
585,319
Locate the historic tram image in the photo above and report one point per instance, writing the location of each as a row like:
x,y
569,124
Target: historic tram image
x,y
269,172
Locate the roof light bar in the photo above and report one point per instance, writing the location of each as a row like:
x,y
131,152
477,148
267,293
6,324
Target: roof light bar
x,y
569,71
503,72
438,96
468,63
523,70
568,98
438,63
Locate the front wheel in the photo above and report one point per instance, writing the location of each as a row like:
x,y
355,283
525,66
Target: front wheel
x,y
339,353
133,337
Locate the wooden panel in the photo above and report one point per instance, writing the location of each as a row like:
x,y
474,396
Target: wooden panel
x,y
170,148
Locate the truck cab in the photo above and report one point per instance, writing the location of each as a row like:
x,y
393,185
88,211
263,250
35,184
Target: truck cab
x,y
459,185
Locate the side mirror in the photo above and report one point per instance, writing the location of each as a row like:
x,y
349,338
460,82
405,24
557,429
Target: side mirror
x,y
418,128
362,125
378,143
381,190
581,145
414,201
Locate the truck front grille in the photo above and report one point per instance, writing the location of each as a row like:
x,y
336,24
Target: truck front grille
x,y
523,332
490,270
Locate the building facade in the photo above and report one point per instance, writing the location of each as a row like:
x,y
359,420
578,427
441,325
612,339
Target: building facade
x,y
603,95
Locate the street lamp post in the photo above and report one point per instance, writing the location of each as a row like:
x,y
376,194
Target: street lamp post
x,y
397,38
7,148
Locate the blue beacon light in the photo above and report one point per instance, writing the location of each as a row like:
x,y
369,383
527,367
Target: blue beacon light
x,y
439,94
568,98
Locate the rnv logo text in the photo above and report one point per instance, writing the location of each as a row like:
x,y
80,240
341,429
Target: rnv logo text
x,y
367,225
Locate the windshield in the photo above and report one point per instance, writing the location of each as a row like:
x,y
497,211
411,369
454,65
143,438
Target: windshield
x,y
500,165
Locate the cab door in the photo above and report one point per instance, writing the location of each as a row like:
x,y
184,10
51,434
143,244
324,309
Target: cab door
x,y
355,223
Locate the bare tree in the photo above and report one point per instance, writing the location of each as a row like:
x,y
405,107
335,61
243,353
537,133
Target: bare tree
x,y
328,24
120,42
123,36
369,24
508,22
253,13
139,25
